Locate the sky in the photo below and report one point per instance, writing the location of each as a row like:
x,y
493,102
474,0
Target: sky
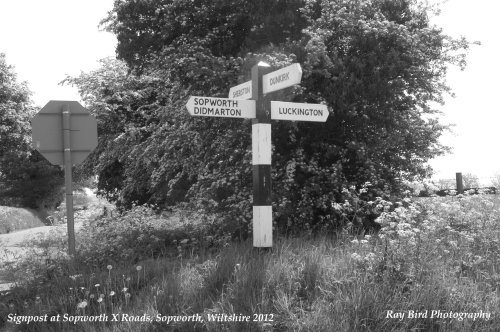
x,y
475,110
47,40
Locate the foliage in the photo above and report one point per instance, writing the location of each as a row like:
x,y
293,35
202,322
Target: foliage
x,y
495,180
377,65
15,111
13,219
431,254
26,178
142,233
442,184
470,180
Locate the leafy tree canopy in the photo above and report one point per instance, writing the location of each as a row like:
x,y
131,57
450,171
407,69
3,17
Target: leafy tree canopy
x,y
15,112
26,178
377,64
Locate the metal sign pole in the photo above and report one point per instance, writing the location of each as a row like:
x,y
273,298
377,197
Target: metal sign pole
x,y
66,117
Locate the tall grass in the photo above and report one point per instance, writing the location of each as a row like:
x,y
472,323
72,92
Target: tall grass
x,y
435,254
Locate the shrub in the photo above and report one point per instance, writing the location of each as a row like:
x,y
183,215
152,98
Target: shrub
x,y
142,233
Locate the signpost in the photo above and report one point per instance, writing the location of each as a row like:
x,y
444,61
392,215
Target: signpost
x,y
281,110
221,107
65,133
242,91
261,110
282,78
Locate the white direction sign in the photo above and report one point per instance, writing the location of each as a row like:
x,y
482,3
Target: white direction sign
x,y
281,110
241,91
282,78
221,107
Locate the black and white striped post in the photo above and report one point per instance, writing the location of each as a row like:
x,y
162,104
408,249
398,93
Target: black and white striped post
x,y
261,110
261,161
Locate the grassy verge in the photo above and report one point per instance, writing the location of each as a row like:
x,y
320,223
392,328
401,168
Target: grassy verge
x,y
436,262
14,219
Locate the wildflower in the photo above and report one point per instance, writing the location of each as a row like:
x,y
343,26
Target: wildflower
x,y
184,241
368,237
355,256
127,295
112,293
337,206
99,299
124,289
82,304
355,241
38,300
363,242
371,256
109,267
92,296
128,279
138,268
97,285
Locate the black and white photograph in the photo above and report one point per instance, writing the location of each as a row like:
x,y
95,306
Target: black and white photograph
x,y
249,165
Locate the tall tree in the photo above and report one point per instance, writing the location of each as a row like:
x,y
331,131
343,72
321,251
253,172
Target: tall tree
x,y
377,64
26,178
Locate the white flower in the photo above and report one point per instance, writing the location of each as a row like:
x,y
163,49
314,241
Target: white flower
x,y
82,304
371,256
337,206
355,256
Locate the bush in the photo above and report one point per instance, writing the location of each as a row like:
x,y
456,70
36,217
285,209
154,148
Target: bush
x,y
13,219
142,233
